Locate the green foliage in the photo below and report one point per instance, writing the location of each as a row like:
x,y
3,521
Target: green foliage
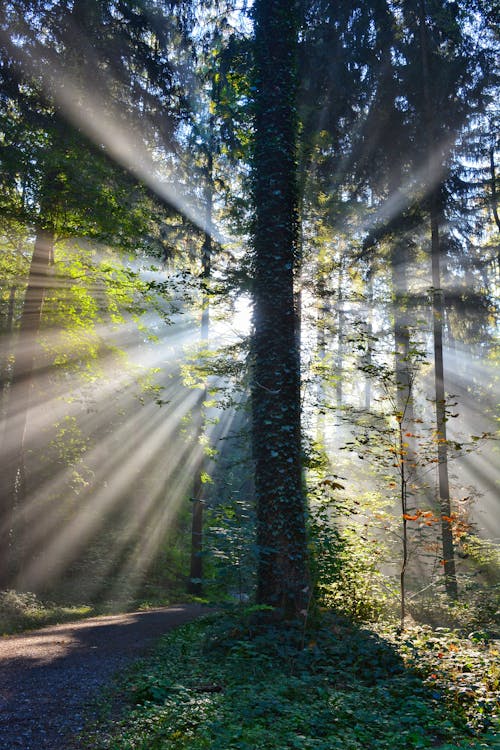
x,y
463,671
21,611
477,609
230,550
346,548
346,560
237,685
484,553
294,689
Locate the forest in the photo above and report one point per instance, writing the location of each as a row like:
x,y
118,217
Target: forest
x,y
249,305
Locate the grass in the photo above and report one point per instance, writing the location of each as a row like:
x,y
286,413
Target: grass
x,y
230,684
24,611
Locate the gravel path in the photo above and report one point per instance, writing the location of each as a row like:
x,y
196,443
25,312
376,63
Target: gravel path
x,y
48,677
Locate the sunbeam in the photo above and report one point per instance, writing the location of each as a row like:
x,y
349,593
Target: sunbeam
x,y
127,140
240,288
111,463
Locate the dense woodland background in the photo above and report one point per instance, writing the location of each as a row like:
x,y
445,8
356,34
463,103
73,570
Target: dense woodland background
x,y
167,168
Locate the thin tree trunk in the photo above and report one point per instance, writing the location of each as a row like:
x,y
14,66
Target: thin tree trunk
x,y
340,338
282,578
195,585
402,338
442,445
493,186
5,366
404,396
404,510
7,333
437,320
11,459
369,329
321,324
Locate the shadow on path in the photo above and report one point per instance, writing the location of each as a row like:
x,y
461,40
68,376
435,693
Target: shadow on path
x,y
48,677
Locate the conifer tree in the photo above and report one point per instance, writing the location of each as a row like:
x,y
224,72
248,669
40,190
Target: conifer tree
x,y
70,185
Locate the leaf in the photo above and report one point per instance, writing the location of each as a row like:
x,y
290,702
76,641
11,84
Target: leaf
x,y
409,517
332,484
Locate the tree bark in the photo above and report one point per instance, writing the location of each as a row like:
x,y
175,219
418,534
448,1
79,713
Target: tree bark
x,y
402,343
339,365
8,329
321,325
442,444
25,351
282,578
367,360
195,584
437,321
493,186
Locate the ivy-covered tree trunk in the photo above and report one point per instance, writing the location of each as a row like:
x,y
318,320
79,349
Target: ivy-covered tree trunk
x,y
282,570
11,456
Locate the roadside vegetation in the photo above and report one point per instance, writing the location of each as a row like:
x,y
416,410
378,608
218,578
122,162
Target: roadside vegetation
x,y
22,611
227,682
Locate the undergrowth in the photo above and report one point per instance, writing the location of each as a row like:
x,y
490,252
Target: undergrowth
x,y
231,684
24,611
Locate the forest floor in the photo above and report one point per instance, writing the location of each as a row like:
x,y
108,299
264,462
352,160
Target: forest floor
x,y
49,678
226,682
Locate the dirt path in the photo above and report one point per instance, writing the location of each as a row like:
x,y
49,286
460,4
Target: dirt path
x,y
47,677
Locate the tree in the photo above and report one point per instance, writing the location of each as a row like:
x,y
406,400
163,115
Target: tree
x,y
196,563
71,186
275,391
442,73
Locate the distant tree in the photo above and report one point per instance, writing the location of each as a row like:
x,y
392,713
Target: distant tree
x,y
441,66
55,179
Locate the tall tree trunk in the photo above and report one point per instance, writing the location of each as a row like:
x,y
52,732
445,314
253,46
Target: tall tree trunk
x,y
340,337
11,458
442,445
321,325
282,577
438,320
367,360
195,585
404,396
493,188
5,353
402,343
